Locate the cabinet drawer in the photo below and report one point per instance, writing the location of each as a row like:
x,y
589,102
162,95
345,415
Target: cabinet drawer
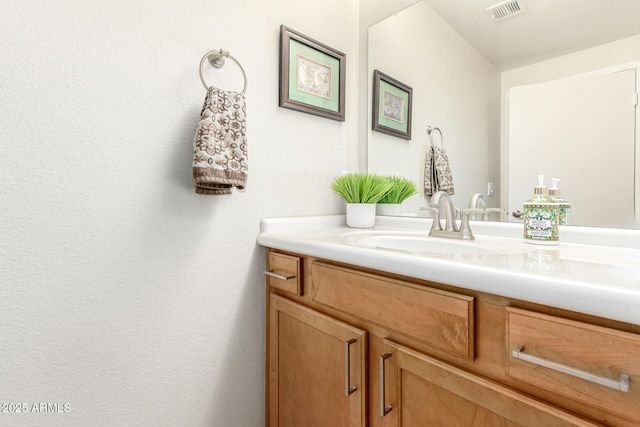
x,y
576,360
441,319
422,391
284,272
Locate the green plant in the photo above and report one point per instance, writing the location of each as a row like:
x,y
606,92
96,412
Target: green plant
x,y
401,190
361,187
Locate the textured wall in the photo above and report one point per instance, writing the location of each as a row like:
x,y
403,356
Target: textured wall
x,y
122,292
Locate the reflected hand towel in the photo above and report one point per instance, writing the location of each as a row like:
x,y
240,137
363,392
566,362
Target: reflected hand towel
x,y
437,172
220,153
430,186
444,178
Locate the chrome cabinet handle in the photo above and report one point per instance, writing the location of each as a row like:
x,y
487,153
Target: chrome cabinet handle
x,y
347,380
278,276
384,410
622,385
517,214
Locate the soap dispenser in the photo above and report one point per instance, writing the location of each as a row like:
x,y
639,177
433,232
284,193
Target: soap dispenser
x,y
541,214
563,205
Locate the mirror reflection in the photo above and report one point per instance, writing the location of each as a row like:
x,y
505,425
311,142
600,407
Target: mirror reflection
x,y
513,106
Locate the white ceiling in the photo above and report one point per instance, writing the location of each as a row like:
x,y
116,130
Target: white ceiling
x,y
548,28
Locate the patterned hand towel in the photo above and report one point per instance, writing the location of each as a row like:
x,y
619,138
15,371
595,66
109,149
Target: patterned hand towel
x,y
220,144
429,177
444,178
437,172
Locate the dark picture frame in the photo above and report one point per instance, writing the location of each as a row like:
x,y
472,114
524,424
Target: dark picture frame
x,y
392,102
312,76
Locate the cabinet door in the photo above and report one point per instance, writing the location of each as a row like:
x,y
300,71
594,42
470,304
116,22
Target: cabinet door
x,y
316,369
422,391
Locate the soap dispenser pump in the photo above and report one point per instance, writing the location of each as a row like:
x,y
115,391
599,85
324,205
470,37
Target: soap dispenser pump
x,y
541,214
563,205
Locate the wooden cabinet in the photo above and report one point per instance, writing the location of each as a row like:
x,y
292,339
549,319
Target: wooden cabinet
x,y
440,319
284,273
423,391
416,353
595,365
316,368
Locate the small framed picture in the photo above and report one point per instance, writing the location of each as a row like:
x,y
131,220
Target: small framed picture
x,y
312,76
391,106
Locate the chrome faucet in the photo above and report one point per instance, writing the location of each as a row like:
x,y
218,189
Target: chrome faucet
x,y
477,202
442,200
477,199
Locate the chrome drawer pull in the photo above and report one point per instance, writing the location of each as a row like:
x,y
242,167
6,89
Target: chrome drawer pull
x,y
622,385
278,276
384,410
348,389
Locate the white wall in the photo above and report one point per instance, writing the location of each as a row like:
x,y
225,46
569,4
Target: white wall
x,y
584,61
371,12
606,56
454,88
122,292
550,118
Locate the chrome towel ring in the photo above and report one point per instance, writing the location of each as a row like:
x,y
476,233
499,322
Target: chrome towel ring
x,y
217,59
430,132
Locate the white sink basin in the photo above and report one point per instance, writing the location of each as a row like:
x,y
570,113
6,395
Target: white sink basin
x,y
420,242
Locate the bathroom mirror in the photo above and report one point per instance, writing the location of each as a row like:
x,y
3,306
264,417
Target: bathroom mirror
x,y
462,66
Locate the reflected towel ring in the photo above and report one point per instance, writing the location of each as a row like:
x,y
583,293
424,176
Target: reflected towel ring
x,y
217,60
430,132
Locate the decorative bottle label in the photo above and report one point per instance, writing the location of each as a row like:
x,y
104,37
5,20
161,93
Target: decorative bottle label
x,y
541,223
565,213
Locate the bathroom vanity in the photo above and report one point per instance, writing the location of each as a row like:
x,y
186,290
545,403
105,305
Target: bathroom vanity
x,y
491,332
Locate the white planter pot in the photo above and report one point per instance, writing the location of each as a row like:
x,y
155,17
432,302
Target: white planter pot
x,y
389,209
361,215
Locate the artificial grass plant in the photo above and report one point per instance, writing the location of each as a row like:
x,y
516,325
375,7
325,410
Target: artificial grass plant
x,y
401,190
361,187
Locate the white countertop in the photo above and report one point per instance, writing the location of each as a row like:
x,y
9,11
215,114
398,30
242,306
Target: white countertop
x,y
601,278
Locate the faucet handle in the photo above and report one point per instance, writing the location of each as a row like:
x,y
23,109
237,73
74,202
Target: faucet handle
x,y
435,226
487,211
465,228
457,213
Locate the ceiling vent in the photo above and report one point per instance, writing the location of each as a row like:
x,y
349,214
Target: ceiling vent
x,y
506,9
